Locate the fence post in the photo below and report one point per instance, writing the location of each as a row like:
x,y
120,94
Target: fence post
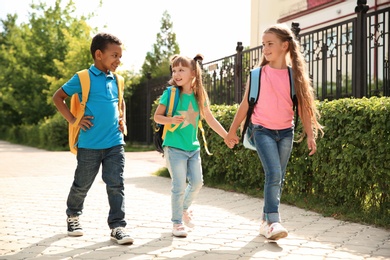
x,y
360,51
238,73
295,29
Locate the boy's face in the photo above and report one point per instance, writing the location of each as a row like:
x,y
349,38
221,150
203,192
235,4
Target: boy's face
x,y
109,59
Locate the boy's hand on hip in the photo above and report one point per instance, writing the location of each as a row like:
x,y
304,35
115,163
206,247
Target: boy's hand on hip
x,y
85,123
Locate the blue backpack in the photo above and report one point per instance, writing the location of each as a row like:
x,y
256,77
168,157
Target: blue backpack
x,y
253,96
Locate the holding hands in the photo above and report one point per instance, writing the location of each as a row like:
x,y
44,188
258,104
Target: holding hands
x,y
231,139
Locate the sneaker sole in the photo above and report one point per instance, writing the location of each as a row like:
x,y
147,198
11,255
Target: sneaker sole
x,y
278,236
123,241
77,233
179,235
182,236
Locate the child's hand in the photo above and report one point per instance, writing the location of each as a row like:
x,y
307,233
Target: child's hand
x,y
311,144
229,143
231,139
122,126
177,119
85,123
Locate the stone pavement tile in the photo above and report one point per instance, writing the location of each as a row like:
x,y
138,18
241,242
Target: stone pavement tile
x,y
33,194
218,256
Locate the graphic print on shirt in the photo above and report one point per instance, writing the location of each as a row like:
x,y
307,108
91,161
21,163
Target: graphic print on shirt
x,y
189,116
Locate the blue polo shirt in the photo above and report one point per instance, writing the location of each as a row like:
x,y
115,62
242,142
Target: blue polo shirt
x,y
102,104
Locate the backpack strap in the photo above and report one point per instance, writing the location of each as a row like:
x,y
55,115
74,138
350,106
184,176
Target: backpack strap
x,y
85,86
253,96
254,86
121,87
173,94
120,81
78,109
176,98
171,106
204,137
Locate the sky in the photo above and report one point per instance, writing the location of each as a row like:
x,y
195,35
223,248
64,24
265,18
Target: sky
x,y
209,27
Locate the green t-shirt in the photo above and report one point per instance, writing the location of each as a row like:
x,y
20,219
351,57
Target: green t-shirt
x,y
185,137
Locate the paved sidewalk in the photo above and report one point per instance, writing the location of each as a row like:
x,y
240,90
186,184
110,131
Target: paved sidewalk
x,y
34,185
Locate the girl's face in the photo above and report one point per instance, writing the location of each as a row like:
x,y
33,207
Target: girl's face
x,y
109,59
273,48
182,75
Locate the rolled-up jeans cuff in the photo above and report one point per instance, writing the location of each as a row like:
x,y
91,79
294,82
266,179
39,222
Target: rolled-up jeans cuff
x,y
271,217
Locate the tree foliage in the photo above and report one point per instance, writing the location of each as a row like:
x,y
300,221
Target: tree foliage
x,y
37,57
157,61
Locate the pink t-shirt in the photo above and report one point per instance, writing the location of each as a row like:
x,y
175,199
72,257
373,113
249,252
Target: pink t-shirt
x,y
274,107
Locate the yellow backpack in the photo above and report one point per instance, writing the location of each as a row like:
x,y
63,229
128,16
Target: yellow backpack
x,y
77,108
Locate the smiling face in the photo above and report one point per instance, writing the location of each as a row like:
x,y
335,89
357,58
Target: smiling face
x,y
274,49
183,75
109,58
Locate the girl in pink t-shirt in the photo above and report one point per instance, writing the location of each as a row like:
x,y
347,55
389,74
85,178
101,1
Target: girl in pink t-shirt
x,y
272,119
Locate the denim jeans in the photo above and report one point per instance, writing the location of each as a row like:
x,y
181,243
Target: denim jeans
x,y
274,149
88,164
183,166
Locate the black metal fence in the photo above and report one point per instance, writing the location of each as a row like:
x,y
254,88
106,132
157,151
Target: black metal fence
x,y
346,59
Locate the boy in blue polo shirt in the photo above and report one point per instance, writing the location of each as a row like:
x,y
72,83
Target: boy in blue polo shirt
x,y
101,138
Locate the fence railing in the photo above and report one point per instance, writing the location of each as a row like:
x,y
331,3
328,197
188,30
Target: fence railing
x,y
346,59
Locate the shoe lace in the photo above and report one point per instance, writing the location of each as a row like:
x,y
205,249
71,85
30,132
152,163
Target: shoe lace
x,y
119,232
74,223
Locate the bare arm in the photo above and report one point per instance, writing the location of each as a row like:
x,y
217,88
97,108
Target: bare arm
x,y
160,117
122,120
238,118
214,124
59,101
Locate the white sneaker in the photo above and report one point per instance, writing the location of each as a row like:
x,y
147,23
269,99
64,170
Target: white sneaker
x,y
74,227
187,218
275,231
263,228
179,230
119,235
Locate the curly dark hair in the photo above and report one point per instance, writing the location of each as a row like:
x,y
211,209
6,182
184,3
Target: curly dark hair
x,y
101,40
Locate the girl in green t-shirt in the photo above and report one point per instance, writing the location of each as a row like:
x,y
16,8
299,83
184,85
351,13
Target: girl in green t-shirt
x,y
181,145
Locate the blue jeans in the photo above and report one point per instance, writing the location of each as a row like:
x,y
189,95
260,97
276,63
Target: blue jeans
x,y
274,149
88,164
183,166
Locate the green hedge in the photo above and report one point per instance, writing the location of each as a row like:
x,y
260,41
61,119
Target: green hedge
x,y
349,173
351,168
50,134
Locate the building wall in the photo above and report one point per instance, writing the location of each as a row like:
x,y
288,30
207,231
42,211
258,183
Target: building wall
x,y
263,14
